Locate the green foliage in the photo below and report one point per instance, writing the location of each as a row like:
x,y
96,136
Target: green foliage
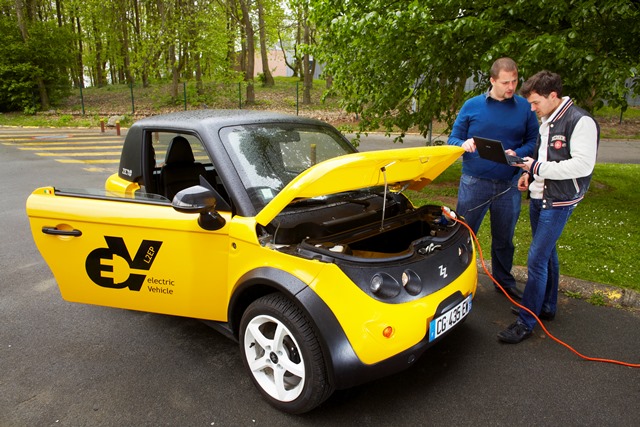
x,y
598,298
65,119
599,243
405,63
23,63
16,83
572,294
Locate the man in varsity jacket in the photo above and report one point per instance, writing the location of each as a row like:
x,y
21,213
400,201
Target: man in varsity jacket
x,y
558,177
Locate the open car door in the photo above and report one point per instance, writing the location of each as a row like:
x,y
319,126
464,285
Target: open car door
x,y
131,253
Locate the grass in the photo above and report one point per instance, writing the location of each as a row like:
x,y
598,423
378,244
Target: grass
x,y
614,114
601,240
48,120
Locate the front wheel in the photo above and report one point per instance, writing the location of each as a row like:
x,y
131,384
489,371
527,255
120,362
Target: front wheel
x,y
282,353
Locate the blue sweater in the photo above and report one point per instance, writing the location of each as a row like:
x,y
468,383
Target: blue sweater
x,y
510,121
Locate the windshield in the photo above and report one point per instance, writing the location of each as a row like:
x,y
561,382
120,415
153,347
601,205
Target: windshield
x,y
268,156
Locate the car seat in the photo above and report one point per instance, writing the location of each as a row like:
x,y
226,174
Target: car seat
x,y
180,170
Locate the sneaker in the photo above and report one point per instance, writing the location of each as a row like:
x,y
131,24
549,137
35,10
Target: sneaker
x,y
515,333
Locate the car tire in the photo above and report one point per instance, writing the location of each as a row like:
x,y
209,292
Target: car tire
x,y
282,353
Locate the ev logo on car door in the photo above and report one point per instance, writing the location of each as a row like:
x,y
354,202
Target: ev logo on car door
x,y
111,272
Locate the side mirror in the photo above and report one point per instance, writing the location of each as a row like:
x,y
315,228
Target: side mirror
x,y
200,199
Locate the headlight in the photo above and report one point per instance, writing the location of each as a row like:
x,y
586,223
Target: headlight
x,y
411,282
463,254
384,286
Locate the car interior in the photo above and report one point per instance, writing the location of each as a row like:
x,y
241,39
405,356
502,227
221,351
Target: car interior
x,y
180,170
184,162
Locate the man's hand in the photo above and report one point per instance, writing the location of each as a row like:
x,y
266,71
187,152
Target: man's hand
x,y
469,145
526,165
523,182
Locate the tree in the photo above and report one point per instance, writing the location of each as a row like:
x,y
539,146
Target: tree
x,y
307,67
405,63
35,57
249,51
305,38
268,78
289,31
25,11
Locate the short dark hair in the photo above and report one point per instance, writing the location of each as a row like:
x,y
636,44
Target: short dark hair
x,y
503,64
543,83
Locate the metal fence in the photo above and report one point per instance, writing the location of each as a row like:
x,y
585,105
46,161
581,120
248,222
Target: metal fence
x,y
134,99
137,100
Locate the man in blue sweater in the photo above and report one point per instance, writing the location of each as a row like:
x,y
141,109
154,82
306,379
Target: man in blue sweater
x,y
486,185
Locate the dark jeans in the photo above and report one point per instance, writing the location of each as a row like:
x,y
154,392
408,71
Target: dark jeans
x,y
541,292
476,196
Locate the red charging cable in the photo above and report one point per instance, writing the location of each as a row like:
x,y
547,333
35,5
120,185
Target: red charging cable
x,y
448,214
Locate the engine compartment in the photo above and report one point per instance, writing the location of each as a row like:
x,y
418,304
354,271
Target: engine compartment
x,y
342,213
361,226
424,229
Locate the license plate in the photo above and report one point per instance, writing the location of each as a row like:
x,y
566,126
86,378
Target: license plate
x,y
448,320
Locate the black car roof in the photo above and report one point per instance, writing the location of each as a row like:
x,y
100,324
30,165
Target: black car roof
x,y
205,123
195,119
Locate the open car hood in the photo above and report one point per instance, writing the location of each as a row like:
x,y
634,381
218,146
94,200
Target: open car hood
x,y
415,167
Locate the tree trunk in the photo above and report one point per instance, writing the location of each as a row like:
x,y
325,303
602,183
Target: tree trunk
x,y
79,58
59,13
44,95
308,72
329,81
144,72
297,58
126,60
199,84
232,58
175,74
100,77
250,52
292,67
268,78
22,24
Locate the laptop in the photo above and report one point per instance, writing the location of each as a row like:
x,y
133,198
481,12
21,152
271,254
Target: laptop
x,y
491,149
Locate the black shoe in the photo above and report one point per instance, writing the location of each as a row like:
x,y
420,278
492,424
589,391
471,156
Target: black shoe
x,y
514,292
544,315
515,333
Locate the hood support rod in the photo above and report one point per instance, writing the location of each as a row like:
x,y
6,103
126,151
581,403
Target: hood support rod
x,y
384,200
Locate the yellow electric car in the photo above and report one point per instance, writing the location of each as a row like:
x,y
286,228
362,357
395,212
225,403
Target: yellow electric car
x,y
276,231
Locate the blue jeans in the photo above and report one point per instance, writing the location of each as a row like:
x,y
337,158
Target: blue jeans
x,y
541,292
476,196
